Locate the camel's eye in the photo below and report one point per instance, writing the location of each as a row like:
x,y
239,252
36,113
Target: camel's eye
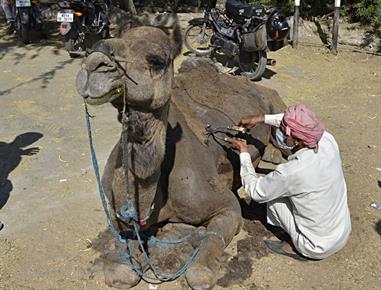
x,y
157,63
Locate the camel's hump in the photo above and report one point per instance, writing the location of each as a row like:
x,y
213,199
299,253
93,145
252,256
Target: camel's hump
x,y
199,84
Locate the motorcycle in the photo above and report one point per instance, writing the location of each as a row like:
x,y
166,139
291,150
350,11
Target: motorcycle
x,y
243,34
28,16
80,18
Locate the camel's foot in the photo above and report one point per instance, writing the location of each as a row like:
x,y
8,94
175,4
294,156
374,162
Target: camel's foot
x,y
118,274
200,277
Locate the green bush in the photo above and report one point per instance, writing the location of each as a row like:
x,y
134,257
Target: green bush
x,y
308,8
286,6
367,11
363,11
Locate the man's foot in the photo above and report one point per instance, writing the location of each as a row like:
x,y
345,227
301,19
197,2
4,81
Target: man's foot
x,y
1,226
11,28
284,248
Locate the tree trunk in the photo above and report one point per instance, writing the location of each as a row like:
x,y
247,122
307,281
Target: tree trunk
x,y
128,5
335,30
175,5
131,7
295,28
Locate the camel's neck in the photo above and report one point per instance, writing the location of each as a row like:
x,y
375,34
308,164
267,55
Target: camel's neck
x,y
146,136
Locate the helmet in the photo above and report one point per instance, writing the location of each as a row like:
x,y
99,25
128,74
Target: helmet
x,y
277,26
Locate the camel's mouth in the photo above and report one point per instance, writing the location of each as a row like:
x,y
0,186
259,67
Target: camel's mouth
x,y
110,96
143,221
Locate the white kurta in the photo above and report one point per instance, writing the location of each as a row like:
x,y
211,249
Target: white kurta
x,y
307,196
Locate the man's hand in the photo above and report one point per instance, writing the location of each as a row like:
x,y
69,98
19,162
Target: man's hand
x,y
251,121
237,143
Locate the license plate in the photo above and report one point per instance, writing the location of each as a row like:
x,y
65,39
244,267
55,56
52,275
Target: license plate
x,y
23,3
65,17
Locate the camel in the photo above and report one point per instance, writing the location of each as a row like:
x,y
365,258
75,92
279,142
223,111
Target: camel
x,y
176,175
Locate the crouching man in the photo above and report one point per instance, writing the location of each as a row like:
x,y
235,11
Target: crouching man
x,y
307,196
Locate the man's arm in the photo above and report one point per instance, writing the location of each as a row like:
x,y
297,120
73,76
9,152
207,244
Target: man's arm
x,y
251,121
274,119
262,189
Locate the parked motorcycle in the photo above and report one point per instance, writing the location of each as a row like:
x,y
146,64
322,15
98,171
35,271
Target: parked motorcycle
x,y
81,18
244,34
28,16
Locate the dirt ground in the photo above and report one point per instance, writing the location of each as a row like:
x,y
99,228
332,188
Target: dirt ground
x,y
49,201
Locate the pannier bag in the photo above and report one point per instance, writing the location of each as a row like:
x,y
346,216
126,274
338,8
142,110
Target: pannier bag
x,y
255,40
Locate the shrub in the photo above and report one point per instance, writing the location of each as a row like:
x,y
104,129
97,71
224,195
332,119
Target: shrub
x,y
366,11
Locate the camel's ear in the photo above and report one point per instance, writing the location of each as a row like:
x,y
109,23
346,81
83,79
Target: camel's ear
x,y
168,22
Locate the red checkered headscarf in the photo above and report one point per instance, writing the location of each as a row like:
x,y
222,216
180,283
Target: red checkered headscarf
x,y
301,123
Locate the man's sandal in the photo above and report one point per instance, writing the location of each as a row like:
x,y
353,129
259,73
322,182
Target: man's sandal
x,y
277,247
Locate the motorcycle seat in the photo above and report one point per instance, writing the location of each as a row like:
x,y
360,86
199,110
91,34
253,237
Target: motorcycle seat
x,y
235,9
240,12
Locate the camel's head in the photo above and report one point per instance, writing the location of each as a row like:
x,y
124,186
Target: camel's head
x,y
139,66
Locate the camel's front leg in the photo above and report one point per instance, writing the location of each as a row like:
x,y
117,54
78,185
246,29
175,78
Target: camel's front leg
x,y
203,273
117,272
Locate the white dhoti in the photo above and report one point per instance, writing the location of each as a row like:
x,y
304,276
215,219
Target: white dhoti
x,y
279,213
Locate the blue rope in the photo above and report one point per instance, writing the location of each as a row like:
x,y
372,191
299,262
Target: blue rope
x,y
129,215
98,178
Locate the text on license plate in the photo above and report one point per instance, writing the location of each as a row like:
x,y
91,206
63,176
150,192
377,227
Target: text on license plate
x,y
65,17
23,3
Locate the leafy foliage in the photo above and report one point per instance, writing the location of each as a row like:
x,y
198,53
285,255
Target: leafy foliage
x,y
364,11
367,11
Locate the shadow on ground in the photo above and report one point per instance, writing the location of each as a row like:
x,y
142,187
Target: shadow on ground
x,y
46,77
378,227
268,74
18,53
49,37
11,156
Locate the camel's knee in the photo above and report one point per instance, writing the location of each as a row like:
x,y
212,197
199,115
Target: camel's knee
x,y
227,224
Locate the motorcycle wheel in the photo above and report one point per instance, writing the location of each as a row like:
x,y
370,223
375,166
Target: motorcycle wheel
x,y
69,44
105,33
40,28
252,64
24,33
198,39
73,45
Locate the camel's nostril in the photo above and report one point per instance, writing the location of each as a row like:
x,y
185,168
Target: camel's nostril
x,y
97,59
105,67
